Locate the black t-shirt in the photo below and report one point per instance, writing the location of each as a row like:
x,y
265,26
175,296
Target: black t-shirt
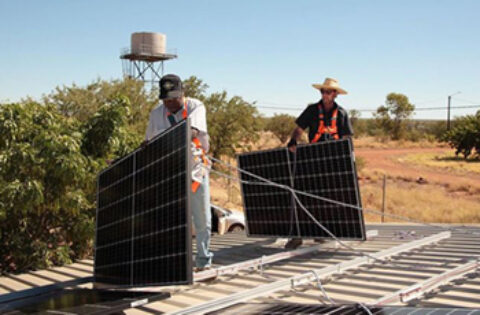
x,y
309,119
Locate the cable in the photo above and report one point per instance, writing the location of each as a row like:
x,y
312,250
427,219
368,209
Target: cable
x,y
365,308
320,286
374,110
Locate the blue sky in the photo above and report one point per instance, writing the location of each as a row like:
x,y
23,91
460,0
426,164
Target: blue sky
x,y
264,51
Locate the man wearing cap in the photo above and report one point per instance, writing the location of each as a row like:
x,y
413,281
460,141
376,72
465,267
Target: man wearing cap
x,y
174,108
325,121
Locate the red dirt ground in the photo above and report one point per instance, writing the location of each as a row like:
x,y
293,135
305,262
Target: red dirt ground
x,y
385,161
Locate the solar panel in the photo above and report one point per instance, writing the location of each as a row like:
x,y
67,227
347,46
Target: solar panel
x,y
81,301
345,309
143,234
325,169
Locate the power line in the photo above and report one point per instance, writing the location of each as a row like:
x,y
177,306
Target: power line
x,y
374,110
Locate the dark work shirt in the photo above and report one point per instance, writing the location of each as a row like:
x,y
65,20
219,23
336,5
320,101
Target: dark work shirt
x,y
309,119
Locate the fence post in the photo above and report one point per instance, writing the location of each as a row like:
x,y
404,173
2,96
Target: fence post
x,y
383,197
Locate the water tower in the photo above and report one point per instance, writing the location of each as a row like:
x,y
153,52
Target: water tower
x,y
145,57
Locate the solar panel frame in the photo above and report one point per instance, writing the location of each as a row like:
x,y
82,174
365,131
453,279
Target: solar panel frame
x,y
182,277
292,209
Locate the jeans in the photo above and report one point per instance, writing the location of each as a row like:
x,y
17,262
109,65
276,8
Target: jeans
x,y
202,220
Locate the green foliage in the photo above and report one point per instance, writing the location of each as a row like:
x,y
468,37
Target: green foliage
x,y
50,156
465,136
233,123
195,88
281,125
391,117
43,177
106,134
82,103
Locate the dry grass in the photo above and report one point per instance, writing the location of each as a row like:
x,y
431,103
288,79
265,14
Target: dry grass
x,y
374,143
446,161
428,203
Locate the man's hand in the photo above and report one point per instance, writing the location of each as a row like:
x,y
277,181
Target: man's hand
x,y
292,145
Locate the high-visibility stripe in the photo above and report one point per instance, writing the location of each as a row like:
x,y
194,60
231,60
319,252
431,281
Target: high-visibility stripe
x,y
195,186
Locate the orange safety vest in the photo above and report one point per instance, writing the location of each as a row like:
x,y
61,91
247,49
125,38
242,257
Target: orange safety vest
x,y
195,141
332,130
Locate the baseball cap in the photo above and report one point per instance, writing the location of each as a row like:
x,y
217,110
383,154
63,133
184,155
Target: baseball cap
x,y
170,86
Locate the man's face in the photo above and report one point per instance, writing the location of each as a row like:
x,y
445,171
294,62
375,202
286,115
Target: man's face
x,y
328,96
173,104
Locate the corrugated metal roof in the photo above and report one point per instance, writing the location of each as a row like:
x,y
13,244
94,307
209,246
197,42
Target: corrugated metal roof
x,y
364,284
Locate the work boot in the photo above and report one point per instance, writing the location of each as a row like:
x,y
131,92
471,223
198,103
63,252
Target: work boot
x,y
294,243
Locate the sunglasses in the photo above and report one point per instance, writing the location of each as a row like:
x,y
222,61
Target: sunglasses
x,y
327,91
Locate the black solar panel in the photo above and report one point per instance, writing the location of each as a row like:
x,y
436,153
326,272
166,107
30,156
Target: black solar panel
x,y
325,169
346,309
143,234
81,301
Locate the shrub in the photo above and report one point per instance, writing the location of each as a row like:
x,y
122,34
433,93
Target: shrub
x,y
281,125
465,136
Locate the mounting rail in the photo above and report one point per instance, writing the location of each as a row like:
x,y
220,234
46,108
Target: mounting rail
x,y
309,276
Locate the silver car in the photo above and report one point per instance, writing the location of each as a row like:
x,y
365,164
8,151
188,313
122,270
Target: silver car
x,y
225,220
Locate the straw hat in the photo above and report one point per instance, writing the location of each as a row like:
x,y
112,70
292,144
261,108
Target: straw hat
x,y
330,84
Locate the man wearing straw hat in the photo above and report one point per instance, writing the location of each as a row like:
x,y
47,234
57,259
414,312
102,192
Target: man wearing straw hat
x,y
325,121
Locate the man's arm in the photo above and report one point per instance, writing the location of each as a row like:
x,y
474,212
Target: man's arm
x,y
292,144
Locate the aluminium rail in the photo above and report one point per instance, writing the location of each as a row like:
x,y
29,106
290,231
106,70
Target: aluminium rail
x,y
417,290
260,262
309,276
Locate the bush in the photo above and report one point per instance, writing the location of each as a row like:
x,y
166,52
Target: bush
x,y
48,167
233,123
465,136
281,125
43,178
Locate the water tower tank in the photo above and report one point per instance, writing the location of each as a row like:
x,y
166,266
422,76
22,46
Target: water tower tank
x,y
144,43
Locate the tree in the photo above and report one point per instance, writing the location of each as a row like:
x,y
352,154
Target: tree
x,y
43,176
195,87
465,136
391,116
281,125
48,167
232,124
83,102
106,134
